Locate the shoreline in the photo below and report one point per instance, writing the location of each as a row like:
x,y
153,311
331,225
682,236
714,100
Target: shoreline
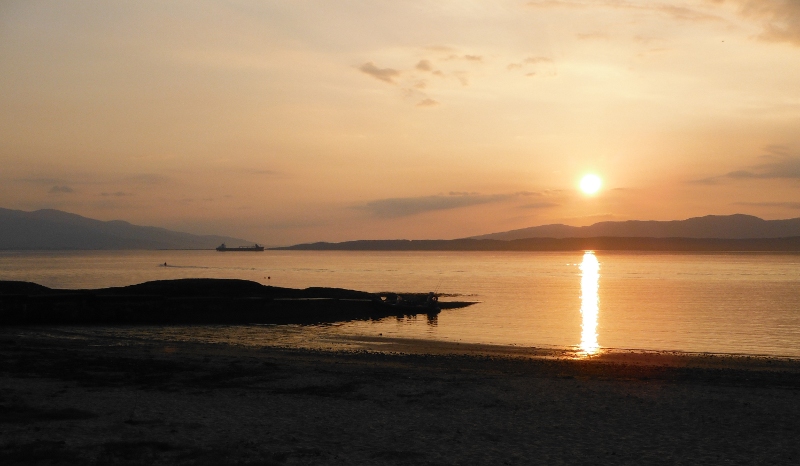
x,y
604,354
367,346
112,401
293,338
205,301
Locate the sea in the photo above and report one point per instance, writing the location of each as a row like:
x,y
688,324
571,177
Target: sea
x,y
588,301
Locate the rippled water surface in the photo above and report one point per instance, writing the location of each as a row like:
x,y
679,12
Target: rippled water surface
x,y
722,303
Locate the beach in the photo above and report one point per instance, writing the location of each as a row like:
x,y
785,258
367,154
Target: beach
x,y
390,401
277,233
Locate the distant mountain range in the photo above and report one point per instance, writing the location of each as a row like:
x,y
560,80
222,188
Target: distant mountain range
x,y
709,233
602,243
736,226
50,229
53,230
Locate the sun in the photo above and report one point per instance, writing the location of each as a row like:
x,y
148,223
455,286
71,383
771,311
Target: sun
x,y
590,184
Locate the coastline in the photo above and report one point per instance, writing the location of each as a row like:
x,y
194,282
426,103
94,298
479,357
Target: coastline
x,y
84,401
204,301
790,244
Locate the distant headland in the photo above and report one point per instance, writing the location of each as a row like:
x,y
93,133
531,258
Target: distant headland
x,y
50,229
56,230
564,244
736,226
204,301
710,233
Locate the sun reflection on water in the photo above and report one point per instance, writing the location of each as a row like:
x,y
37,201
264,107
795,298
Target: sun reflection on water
x,y
590,275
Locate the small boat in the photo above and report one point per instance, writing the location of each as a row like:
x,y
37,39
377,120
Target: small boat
x,y
253,248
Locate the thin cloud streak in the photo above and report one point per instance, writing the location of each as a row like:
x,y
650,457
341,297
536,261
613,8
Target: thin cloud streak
x,y
404,207
147,178
407,206
427,103
116,194
539,205
61,190
788,205
676,12
783,168
778,166
40,180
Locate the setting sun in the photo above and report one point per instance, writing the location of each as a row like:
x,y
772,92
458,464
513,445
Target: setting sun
x,y
590,184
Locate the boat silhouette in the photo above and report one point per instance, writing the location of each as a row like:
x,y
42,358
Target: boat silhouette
x,y
253,248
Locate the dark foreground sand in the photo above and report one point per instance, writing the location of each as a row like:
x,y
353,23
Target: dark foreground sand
x,y
66,401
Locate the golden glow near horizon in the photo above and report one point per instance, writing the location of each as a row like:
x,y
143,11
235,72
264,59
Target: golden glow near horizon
x,y
591,183
283,122
590,302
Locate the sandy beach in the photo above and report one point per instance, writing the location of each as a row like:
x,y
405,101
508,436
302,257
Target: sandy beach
x,y
73,401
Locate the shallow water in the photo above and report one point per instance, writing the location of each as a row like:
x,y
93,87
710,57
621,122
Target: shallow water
x,y
720,303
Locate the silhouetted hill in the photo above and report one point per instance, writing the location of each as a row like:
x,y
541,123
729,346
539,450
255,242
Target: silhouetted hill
x,y
54,229
711,226
563,244
710,233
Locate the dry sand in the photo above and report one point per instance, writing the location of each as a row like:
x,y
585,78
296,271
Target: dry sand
x,y
70,401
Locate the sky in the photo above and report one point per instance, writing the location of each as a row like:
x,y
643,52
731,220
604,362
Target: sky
x,y
295,121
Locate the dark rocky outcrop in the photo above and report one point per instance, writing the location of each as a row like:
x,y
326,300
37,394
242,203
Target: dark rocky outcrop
x,y
192,301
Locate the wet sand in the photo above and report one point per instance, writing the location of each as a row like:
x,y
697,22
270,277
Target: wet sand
x,y
106,401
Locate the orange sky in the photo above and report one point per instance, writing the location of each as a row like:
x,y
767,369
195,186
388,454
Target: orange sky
x,y
290,121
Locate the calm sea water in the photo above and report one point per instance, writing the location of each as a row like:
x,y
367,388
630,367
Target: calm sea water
x,y
720,303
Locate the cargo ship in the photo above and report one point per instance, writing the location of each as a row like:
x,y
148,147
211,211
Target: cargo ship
x,y
253,248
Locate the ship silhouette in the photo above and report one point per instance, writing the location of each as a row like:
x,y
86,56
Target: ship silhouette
x,y
253,248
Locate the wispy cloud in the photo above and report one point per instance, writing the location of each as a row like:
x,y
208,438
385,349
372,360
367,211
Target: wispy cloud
x,y
424,65
437,67
427,103
681,13
466,57
539,205
147,178
788,205
779,18
407,206
40,180
778,163
116,194
403,207
711,180
384,74
427,66
677,12
529,61
779,167
61,190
